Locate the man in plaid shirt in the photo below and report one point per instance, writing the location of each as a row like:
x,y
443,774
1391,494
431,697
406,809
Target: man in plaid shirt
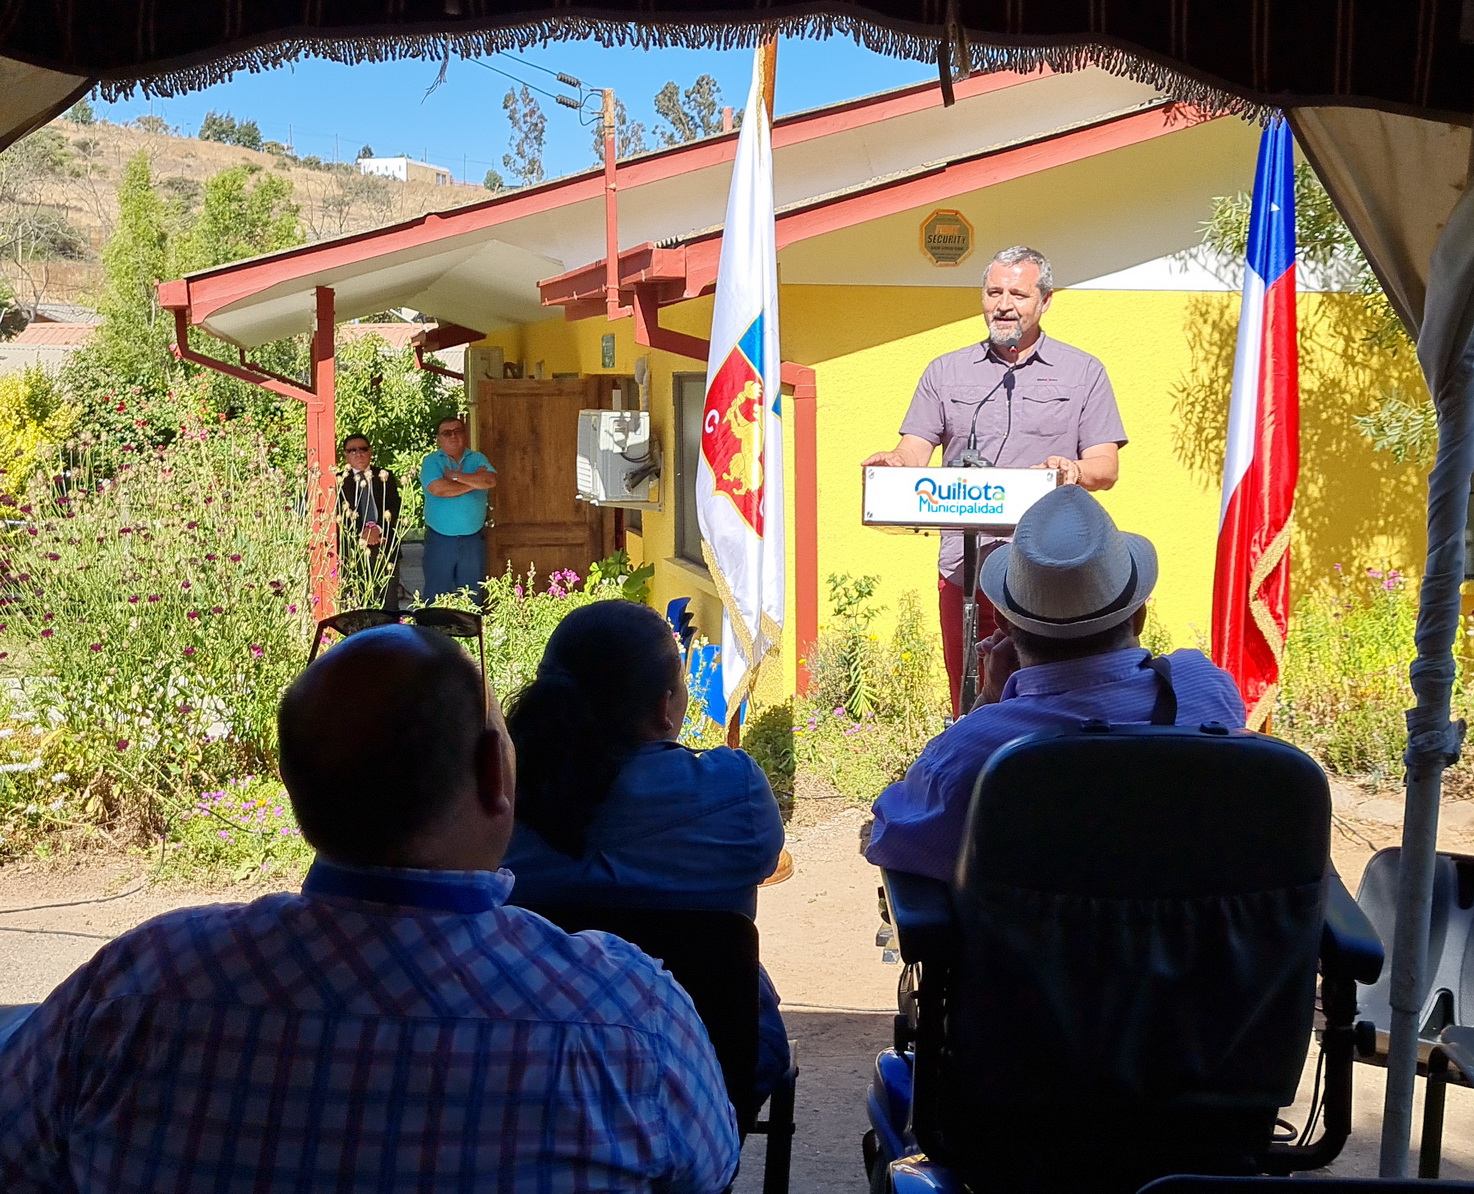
x,y
395,1027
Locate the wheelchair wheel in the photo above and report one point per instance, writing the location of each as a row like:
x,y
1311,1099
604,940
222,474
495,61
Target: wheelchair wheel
x,y
877,1163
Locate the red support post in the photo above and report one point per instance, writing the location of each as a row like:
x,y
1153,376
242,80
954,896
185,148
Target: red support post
x,y
611,212
322,454
805,514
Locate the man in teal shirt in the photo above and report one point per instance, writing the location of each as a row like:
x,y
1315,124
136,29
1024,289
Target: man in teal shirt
x,y
455,481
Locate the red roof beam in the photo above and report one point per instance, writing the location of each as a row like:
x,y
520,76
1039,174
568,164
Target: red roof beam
x,y
642,264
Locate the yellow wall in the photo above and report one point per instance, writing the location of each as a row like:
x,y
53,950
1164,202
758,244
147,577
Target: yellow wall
x,y
1170,357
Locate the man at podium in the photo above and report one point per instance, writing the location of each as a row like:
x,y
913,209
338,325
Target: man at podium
x,y
1017,400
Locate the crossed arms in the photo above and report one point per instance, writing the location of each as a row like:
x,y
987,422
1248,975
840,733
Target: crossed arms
x,y
453,483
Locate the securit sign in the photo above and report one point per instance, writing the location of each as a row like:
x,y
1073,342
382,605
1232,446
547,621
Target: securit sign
x,y
946,238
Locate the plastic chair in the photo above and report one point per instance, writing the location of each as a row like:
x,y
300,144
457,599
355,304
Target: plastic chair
x,y
1448,998
1120,982
714,956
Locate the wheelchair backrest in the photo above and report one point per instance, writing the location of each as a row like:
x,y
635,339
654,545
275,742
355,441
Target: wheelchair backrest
x,y
1140,912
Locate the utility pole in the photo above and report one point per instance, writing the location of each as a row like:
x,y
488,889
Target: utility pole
x,y
611,211
335,149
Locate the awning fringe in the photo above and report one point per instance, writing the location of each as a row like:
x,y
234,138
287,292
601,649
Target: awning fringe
x,y
984,55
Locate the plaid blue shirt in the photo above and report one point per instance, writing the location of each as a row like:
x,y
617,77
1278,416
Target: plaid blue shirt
x,y
385,1031
919,820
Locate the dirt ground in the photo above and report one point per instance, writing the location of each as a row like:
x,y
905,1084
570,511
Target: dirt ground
x,y
818,933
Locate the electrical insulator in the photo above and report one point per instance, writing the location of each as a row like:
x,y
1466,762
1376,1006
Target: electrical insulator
x,y
568,101
568,81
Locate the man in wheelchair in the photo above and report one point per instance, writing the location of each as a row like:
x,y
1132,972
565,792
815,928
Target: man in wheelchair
x,y
1113,927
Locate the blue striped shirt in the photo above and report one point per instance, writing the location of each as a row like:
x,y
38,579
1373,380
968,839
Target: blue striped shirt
x,y
385,1031
919,820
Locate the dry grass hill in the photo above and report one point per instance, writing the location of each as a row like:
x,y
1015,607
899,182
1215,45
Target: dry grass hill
x,y
69,198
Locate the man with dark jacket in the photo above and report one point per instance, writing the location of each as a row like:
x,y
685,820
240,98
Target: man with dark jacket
x,y
368,529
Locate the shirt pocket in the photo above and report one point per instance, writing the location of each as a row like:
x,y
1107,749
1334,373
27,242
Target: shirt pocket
x,y
1048,412
973,406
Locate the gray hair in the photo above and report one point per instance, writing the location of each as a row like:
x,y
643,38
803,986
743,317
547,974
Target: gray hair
x,y
1019,254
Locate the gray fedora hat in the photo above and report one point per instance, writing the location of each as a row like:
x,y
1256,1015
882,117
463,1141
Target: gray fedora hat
x,y
1069,572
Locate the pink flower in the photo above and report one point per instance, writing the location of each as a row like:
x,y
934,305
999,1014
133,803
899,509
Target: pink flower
x,y
193,614
133,600
217,609
47,633
189,650
184,585
153,597
122,744
235,559
291,609
256,651
95,647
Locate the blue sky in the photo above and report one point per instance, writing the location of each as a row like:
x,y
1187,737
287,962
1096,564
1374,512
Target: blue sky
x,y
461,124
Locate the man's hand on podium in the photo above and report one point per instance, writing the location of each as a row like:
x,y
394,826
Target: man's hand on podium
x,y
1069,470
893,459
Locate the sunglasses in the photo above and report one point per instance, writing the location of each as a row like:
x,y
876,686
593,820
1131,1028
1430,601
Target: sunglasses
x,y
355,451
457,623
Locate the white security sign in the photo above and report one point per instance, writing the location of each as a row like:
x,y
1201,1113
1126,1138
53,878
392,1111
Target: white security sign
x,y
983,499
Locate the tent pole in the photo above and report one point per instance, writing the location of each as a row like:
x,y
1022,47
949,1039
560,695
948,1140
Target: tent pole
x,y
1433,740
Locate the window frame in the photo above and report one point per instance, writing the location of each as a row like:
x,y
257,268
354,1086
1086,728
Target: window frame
x,y
683,384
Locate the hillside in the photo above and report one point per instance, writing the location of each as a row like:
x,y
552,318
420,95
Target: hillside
x,y
64,193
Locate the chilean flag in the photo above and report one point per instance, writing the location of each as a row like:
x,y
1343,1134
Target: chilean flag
x,y
1251,582
739,475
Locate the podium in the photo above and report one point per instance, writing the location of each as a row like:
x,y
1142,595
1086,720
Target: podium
x,y
975,501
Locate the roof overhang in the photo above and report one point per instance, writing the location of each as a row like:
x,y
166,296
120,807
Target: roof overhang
x,y
674,273
480,266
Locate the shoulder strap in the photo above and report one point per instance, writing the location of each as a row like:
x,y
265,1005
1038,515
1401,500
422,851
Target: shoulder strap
x,y
1164,709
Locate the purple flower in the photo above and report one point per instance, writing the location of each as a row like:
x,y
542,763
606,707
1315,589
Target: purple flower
x,y
1389,584
94,647
217,609
223,833
184,584
1374,573
193,614
235,559
51,555
152,597
122,744
189,650
189,526
291,609
133,600
47,633
256,651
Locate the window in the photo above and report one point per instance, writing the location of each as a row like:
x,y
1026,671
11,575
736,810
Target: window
x,y
690,396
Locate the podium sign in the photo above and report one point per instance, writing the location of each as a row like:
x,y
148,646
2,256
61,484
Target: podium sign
x,y
991,500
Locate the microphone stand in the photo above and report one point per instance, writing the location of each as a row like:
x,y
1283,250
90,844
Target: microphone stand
x,y
972,458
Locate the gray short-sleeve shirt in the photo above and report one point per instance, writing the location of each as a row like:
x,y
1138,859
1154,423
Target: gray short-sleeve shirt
x,y
1058,403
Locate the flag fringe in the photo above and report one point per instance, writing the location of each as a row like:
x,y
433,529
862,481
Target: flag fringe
x,y
1264,619
769,628
980,52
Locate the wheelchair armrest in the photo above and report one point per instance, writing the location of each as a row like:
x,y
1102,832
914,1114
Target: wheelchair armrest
x,y
921,911
1349,946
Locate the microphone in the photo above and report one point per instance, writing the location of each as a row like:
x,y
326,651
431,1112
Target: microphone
x,y
970,457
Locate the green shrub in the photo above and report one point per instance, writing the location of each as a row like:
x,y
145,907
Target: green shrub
x,y
34,421
768,737
243,830
159,614
1344,686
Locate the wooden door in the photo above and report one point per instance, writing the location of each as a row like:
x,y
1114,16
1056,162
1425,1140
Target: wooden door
x,y
529,432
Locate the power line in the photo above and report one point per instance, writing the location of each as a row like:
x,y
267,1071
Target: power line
x,y
516,79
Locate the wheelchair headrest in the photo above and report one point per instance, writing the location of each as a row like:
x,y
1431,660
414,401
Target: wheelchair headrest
x,y
1147,811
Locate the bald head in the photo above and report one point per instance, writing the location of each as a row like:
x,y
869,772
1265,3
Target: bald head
x,y
380,741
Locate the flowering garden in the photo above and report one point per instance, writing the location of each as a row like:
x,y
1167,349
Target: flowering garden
x,y
152,610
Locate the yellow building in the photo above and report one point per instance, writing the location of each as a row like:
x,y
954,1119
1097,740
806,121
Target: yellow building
x,y
889,208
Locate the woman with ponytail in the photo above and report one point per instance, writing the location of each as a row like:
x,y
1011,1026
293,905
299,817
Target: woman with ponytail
x,y
612,809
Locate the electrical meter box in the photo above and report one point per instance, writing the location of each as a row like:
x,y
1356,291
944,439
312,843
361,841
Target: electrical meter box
x,y
618,463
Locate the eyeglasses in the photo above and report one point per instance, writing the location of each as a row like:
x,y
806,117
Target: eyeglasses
x,y
457,623
451,433
355,451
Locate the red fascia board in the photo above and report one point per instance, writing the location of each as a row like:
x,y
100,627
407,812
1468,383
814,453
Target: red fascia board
x,y
955,178
445,335
643,263
209,291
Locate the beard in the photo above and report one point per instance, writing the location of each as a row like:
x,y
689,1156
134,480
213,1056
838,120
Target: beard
x,y
1007,336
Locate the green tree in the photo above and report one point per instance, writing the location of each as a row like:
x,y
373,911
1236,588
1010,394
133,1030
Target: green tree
x,y
695,113
239,218
629,135
81,112
247,135
150,123
1405,427
217,126
529,128
494,182
366,152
